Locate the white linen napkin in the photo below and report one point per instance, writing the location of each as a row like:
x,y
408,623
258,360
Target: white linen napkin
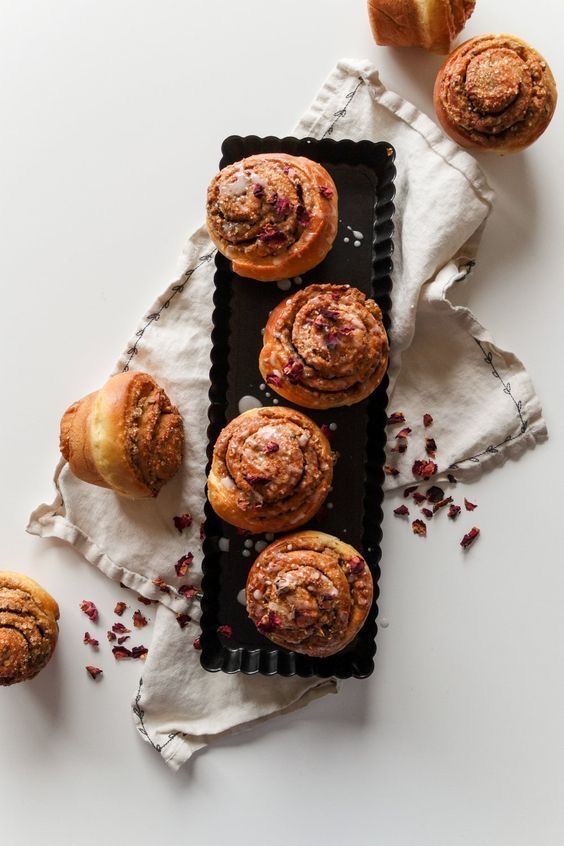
x,y
442,363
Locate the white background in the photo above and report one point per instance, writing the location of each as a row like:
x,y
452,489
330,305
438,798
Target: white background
x,y
112,113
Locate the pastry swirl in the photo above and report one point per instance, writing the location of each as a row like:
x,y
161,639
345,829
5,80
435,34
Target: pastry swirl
x,y
273,215
28,628
431,24
309,592
127,436
271,470
324,347
496,93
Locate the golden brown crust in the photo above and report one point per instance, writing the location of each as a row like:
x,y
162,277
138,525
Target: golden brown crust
x,y
28,627
495,93
273,215
127,436
271,470
309,592
431,24
324,347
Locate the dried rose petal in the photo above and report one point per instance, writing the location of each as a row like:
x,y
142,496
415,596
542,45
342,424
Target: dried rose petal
x,y
441,504
184,521
356,565
409,490
187,591
258,190
303,216
401,447
271,447
325,191
469,538
120,608
430,447
89,609
293,370
271,235
396,417
144,600
139,651
111,636
424,469
119,628
427,420
435,494
419,528
401,511
121,640
454,511
428,513
269,622
183,620
273,379
469,506
419,498
283,206
197,643
89,640
139,621
183,563
452,479
161,584
329,433
121,653
255,479
391,471
93,672
225,630
403,433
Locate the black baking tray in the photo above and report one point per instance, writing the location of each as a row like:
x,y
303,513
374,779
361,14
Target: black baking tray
x,y
364,174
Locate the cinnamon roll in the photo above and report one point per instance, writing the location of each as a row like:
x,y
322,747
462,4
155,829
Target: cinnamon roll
x,y
309,592
273,215
271,470
127,436
28,628
495,93
324,347
431,24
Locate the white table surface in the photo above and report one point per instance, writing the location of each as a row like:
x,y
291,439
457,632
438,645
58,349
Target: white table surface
x,y
112,114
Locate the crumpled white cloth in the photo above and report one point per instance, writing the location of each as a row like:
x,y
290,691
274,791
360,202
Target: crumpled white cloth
x,y
444,363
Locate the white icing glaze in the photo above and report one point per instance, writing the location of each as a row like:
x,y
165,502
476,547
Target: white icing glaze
x,y
333,427
237,186
257,594
358,235
228,483
248,402
242,597
303,439
346,240
356,244
224,544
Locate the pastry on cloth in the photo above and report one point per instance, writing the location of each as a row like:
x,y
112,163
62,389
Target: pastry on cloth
x,y
273,215
271,470
127,436
495,93
309,592
325,346
28,627
431,24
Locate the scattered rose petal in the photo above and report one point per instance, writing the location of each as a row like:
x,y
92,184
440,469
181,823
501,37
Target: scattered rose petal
x,y
293,370
183,620
120,608
144,601
283,206
430,447
89,640
161,584
435,494
424,469
93,672
419,498
469,538
452,479
391,471
419,528
187,591
271,447
111,636
139,621
356,565
269,622
409,490
139,651
121,640
183,563
119,628
258,190
401,511
428,513
469,506
327,431
441,504
255,479
197,643
121,653
273,379
454,511
183,521
272,235
325,191
403,433
427,420
396,417
225,630
89,609
401,447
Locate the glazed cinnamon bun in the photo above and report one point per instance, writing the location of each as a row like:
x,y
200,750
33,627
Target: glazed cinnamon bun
x,y
127,436
273,215
324,347
271,470
309,592
431,24
28,628
495,93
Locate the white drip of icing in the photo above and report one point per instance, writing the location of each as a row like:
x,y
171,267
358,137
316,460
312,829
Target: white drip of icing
x,y
248,543
248,402
242,597
237,186
284,284
260,545
228,483
223,544
358,235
